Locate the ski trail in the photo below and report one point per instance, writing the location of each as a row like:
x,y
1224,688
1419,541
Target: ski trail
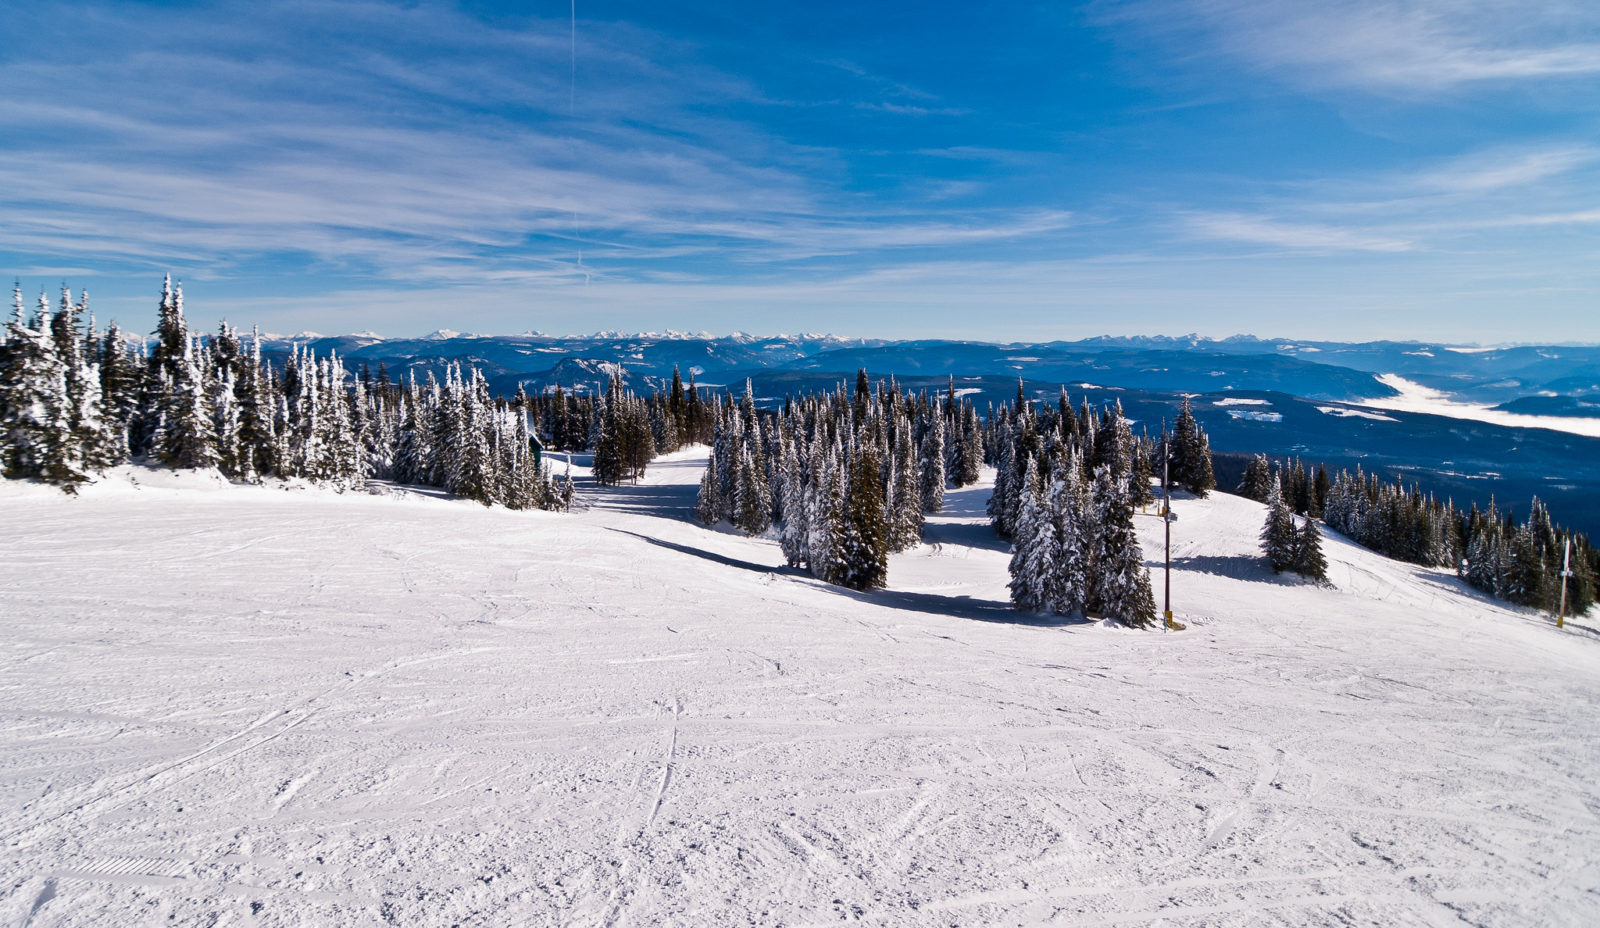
x,y
666,766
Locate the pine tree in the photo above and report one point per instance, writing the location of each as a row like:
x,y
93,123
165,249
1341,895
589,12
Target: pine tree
x,y
970,460
1121,581
796,522
1069,590
1034,566
752,505
35,423
864,547
189,439
825,516
708,506
932,476
1308,559
1191,454
905,492
1257,482
1278,534
1139,492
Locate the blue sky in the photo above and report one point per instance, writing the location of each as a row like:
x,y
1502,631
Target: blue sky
x,y
1345,169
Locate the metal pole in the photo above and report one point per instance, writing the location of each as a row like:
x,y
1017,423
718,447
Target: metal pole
x,y
1166,517
1566,571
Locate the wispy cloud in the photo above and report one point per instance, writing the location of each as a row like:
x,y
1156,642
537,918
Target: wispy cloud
x,y
1386,46
1473,202
1295,235
420,142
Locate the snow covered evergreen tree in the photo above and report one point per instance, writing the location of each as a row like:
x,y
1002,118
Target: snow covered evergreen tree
x,y
1191,453
1278,535
708,504
932,476
1257,482
1308,558
904,492
1074,531
1121,588
1034,566
864,544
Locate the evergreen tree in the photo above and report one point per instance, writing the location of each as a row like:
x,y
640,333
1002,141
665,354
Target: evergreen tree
x,y
825,516
752,512
1191,454
708,506
1121,582
864,547
1278,535
1069,590
1033,556
1308,559
796,521
1139,492
1257,482
970,461
35,409
904,492
189,439
932,478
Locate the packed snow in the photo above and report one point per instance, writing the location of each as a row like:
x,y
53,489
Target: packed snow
x,y
1414,397
1240,401
256,706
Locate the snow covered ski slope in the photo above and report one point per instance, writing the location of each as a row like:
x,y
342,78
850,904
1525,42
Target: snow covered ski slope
x,y
251,706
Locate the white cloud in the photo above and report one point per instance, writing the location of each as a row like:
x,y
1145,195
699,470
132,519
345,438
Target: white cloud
x,y
1387,46
1295,235
418,142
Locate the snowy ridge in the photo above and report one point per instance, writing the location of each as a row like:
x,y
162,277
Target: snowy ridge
x,y
313,708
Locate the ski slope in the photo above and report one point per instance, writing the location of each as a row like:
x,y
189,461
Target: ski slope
x,y
259,706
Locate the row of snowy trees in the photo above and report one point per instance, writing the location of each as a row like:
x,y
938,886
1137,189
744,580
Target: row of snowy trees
x,y
1066,484
1520,563
573,421
846,478
1301,489
1523,563
623,437
74,401
1491,551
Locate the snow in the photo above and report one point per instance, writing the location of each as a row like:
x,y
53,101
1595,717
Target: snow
x,y
1256,415
967,391
1346,412
1414,397
1239,401
248,706
1474,349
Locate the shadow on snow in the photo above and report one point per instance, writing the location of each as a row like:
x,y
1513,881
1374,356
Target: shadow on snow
x,y
961,607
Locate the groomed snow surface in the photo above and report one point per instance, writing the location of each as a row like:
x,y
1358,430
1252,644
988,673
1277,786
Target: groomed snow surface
x,y
258,706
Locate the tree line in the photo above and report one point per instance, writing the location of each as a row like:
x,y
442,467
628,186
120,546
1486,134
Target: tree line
x,y
75,401
1517,562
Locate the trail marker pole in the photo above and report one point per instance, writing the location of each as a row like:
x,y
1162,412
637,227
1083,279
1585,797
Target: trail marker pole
x,y
1166,517
1566,571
